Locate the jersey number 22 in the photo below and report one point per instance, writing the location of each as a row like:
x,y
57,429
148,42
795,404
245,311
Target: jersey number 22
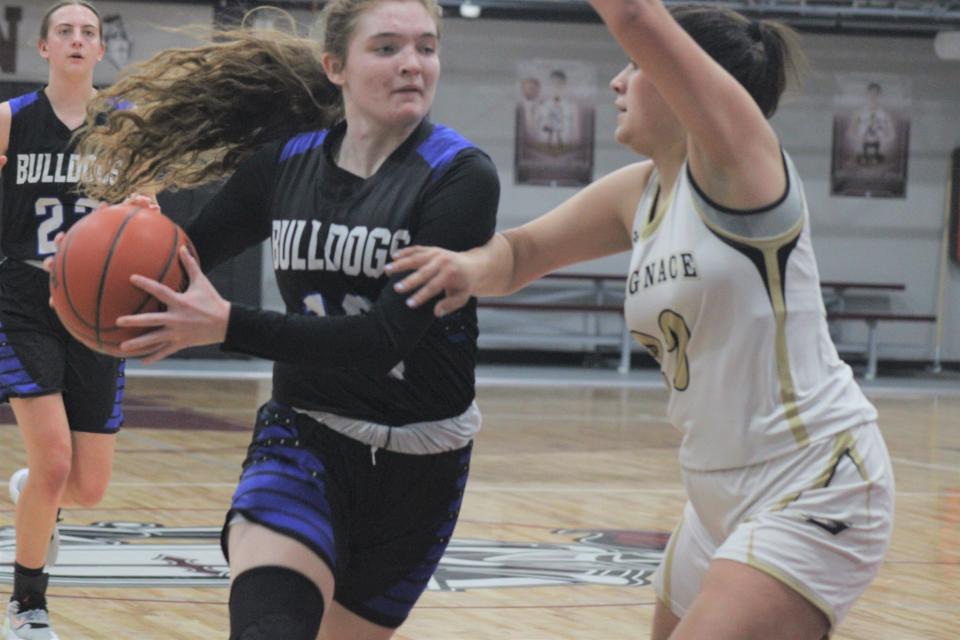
x,y
50,211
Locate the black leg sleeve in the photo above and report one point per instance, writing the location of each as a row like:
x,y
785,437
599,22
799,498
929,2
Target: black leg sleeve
x,y
274,602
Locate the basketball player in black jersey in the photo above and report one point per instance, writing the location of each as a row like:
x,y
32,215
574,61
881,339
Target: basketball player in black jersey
x,y
66,398
355,476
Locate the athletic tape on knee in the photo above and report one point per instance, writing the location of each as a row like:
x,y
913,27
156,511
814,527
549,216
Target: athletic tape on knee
x,y
274,602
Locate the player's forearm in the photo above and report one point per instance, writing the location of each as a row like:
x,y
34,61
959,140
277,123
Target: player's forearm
x,y
620,15
524,256
492,267
361,342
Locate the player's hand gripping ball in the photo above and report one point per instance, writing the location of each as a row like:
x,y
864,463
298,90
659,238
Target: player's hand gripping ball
x,y
90,276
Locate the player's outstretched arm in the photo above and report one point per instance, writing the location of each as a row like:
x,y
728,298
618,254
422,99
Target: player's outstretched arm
x,y
733,151
486,270
596,222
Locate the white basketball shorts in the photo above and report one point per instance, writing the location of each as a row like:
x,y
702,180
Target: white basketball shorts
x,y
819,520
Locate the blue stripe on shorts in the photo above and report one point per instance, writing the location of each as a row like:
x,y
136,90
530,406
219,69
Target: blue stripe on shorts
x,y
284,488
14,379
116,418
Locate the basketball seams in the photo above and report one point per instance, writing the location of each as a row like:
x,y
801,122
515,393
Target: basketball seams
x,y
106,269
171,258
171,255
100,272
61,267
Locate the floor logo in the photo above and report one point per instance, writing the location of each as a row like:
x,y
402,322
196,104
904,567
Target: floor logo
x,y
116,554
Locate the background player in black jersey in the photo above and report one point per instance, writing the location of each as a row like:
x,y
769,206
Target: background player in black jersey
x,y
354,480
66,398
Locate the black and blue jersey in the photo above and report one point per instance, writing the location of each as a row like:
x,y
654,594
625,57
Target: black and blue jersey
x,y
39,180
348,344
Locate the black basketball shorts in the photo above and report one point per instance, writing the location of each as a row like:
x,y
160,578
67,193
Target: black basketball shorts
x,y
39,357
381,524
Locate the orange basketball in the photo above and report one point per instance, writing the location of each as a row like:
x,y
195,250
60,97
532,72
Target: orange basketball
x,y
90,279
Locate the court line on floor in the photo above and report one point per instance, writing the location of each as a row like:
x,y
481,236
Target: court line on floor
x,y
564,605
240,448
476,488
601,489
148,509
530,377
176,409
223,603
487,413
953,468
198,373
566,417
908,393
481,488
137,483
564,383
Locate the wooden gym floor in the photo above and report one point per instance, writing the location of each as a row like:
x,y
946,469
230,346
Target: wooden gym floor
x,y
572,492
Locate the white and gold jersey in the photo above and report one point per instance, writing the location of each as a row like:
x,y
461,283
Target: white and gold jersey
x,y
729,303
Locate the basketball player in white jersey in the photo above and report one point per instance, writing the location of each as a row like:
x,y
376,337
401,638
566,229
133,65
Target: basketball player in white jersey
x,y
789,482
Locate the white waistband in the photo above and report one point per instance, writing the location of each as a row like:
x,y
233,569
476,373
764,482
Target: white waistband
x,y
418,438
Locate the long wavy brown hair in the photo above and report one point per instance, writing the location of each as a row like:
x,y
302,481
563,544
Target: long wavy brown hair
x,y
189,116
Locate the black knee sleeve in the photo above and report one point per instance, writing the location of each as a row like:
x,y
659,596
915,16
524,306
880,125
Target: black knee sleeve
x,y
274,602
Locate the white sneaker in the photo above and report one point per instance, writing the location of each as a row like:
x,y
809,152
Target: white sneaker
x,y
17,482
32,624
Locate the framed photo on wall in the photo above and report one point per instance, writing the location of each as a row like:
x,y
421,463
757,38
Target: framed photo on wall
x,y
871,136
555,123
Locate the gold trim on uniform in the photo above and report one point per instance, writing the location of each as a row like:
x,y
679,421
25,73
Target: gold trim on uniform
x,y
668,564
788,393
663,205
797,586
648,342
769,246
676,337
843,445
858,461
